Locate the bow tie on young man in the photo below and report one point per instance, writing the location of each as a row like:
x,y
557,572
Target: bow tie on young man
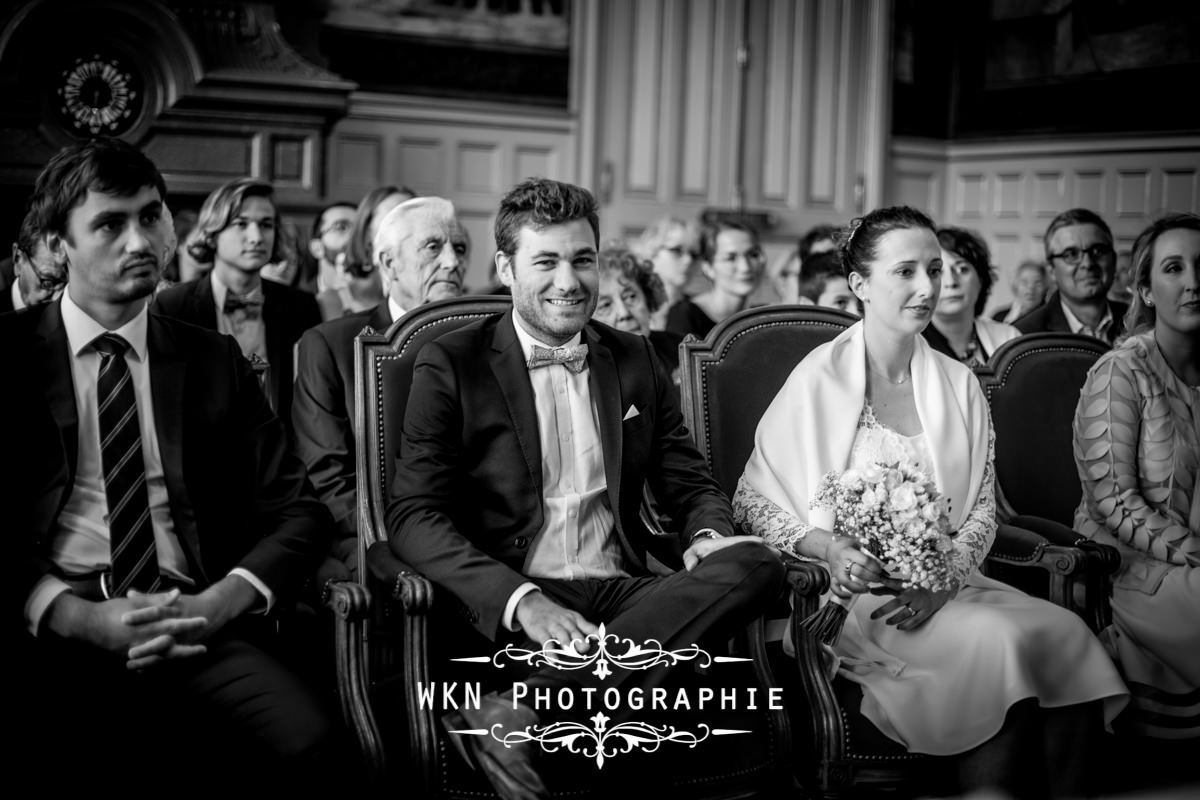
x,y
573,358
251,302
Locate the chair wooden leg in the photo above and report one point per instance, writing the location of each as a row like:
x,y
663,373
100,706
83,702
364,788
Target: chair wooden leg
x,y
350,651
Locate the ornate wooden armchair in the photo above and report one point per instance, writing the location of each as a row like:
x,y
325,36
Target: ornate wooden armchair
x,y
406,635
728,381
1032,385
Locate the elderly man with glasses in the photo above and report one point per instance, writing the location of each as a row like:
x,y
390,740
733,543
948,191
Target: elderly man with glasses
x,y
36,277
1079,249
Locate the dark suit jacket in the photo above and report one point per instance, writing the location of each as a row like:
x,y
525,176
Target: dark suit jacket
x,y
1049,316
466,501
238,497
8,275
287,313
323,418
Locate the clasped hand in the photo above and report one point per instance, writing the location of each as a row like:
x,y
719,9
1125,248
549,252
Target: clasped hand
x,y
854,571
151,628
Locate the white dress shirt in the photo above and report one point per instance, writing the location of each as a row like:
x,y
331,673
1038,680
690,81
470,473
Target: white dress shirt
x,y
576,538
1099,332
394,308
79,541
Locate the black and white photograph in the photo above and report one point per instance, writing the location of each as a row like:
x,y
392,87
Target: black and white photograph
x,y
569,399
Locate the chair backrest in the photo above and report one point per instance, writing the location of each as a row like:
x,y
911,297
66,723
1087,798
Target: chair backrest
x,y
383,369
730,377
1032,385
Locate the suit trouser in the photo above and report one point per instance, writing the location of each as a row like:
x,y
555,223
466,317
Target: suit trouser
x,y
721,595
234,716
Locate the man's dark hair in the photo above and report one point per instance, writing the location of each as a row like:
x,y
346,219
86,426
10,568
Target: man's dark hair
x,y
105,165
539,203
814,235
320,220
815,272
29,234
1074,216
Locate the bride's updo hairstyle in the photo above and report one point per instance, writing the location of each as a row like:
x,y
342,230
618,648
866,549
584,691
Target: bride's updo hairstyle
x,y
857,243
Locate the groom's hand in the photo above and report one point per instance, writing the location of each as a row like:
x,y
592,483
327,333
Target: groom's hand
x,y
705,546
542,619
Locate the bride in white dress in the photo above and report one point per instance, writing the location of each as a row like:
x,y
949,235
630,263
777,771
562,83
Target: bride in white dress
x,y
980,669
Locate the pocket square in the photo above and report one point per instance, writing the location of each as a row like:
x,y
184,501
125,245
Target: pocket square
x,y
631,413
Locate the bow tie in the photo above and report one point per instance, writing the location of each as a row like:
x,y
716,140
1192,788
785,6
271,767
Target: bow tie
x,y
573,358
251,302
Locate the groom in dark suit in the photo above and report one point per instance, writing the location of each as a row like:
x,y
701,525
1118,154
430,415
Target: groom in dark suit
x,y
527,440
160,524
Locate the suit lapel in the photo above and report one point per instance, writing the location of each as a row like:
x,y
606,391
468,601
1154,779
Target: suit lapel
x,y
203,304
168,373
605,386
381,317
508,365
54,359
274,317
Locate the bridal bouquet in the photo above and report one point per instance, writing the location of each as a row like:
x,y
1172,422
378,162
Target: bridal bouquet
x,y
898,516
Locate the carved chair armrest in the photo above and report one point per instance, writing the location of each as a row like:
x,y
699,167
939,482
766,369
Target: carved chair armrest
x,y
1079,570
402,583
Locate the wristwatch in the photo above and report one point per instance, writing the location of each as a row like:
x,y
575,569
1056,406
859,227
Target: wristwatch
x,y
704,533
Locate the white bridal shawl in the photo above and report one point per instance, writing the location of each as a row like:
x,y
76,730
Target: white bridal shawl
x,y
810,426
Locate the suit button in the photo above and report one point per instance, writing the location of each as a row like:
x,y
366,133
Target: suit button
x,y
522,542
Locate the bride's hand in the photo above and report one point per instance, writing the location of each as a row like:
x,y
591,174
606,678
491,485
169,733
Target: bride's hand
x,y
912,608
851,570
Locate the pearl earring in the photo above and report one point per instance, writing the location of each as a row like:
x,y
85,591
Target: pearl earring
x,y
1150,303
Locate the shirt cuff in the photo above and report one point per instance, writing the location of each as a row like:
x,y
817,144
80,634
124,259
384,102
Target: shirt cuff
x,y
39,600
704,533
509,620
252,579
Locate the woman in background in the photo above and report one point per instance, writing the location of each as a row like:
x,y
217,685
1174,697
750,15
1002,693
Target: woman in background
x,y
630,292
670,245
1137,445
958,329
735,264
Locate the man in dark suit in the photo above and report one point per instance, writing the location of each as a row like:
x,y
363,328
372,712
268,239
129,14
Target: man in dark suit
x,y
160,522
239,226
421,251
1079,248
527,440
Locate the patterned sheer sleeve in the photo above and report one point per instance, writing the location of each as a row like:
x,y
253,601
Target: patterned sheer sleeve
x,y
1120,492
973,541
759,516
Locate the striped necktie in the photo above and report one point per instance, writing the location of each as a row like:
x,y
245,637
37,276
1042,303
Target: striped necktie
x,y
131,536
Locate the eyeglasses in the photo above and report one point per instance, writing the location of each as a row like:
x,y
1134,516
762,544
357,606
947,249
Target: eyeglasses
x,y
1074,256
680,252
341,226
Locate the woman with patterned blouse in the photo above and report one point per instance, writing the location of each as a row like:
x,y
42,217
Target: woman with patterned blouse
x,y
1137,445
980,670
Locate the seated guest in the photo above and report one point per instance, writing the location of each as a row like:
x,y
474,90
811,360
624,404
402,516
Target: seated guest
x,y
1080,251
37,277
237,231
161,523
671,245
734,262
1122,285
1137,445
957,329
1029,287
630,292
527,441
1013,684
818,239
330,237
364,287
823,284
422,250
786,278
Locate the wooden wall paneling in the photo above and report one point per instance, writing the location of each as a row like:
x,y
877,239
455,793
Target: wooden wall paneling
x,y
640,174
825,143
356,165
1127,181
694,152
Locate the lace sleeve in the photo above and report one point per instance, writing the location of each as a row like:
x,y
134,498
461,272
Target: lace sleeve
x,y
974,539
758,516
